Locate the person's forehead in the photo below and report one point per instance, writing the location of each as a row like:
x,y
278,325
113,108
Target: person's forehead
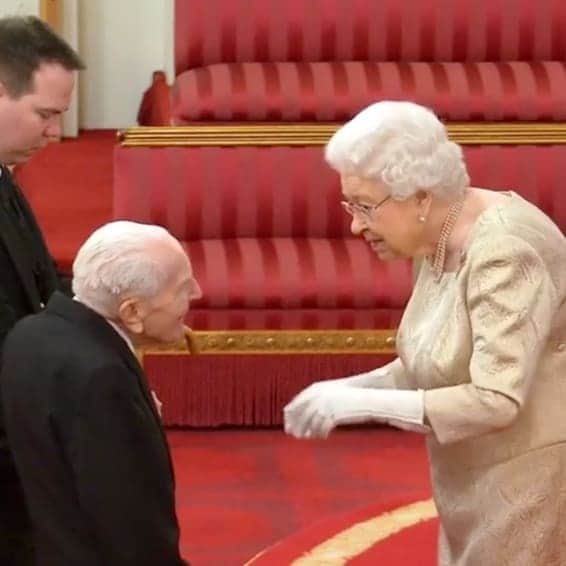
x,y
184,266
52,71
360,188
54,82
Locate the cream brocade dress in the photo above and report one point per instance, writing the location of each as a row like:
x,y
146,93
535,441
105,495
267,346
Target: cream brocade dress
x,y
488,344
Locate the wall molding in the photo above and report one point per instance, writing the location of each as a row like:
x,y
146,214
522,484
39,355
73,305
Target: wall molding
x,y
50,11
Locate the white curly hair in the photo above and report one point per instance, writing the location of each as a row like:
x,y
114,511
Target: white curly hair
x,y
114,263
403,145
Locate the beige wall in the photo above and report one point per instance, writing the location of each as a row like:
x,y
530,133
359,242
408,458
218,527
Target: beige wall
x,y
122,43
69,28
10,7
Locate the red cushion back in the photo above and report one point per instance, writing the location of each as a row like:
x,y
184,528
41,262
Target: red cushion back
x,y
336,91
249,192
228,192
216,31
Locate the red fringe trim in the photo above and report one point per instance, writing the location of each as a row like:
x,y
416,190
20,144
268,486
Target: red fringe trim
x,y
242,390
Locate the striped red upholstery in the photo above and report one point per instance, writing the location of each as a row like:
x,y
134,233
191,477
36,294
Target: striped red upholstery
x,y
335,91
269,241
204,193
224,31
237,192
296,273
535,172
266,234
324,60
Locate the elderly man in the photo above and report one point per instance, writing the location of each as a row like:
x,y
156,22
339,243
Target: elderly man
x,y
37,75
81,423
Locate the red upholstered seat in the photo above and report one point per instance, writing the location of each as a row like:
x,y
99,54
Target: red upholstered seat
x,y
224,31
203,193
533,171
265,231
269,241
323,60
335,91
207,193
263,225
312,277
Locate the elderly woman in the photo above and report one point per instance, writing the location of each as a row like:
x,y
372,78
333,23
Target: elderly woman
x,y
481,367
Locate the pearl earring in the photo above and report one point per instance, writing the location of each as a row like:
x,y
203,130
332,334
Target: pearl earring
x,y
422,219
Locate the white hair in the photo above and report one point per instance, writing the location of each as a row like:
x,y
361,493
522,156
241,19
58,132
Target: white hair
x,y
403,145
114,262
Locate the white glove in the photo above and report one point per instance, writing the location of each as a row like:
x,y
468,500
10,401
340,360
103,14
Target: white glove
x,y
315,413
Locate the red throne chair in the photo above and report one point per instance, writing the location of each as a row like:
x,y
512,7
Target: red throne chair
x,y
289,295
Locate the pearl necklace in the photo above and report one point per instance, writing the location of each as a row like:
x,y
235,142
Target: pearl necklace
x,y
439,257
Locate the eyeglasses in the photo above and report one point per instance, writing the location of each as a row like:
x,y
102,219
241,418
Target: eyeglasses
x,y
363,210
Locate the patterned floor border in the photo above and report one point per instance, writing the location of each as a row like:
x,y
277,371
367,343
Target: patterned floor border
x,y
361,536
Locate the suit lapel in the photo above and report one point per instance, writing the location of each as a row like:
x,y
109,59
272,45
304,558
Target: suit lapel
x,y
49,272
134,365
14,245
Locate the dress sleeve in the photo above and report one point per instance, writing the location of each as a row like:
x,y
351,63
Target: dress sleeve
x,y
511,301
395,375
389,376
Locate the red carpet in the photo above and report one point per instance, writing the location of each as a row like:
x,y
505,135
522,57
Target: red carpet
x,y
69,185
242,491
414,545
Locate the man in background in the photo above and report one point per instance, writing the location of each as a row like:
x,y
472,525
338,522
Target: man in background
x,y
82,425
37,77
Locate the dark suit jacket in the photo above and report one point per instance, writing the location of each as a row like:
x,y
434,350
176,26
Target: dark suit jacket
x,y
28,274
87,442
27,279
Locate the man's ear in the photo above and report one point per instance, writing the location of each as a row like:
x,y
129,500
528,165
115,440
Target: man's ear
x,y
131,315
